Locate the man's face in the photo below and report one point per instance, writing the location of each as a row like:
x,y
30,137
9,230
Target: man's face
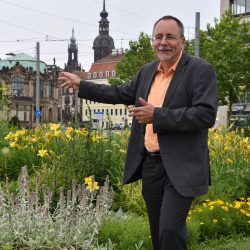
x,y
167,41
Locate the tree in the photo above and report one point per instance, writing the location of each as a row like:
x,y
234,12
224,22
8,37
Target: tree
x,y
139,53
227,47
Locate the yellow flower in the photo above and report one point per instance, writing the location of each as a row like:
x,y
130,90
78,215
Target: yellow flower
x,y
57,133
42,153
199,210
215,221
201,223
237,204
88,180
54,126
13,145
224,208
93,186
9,136
91,183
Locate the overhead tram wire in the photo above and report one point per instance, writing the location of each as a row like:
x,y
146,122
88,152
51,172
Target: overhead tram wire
x,y
126,11
57,16
28,29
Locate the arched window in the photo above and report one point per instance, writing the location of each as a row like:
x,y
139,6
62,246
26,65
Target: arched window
x,y
17,86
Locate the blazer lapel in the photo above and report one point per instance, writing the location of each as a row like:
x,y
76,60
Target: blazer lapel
x,y
176,77
150,77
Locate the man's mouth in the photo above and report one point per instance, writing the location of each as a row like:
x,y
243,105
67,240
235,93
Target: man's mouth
x,y
164,49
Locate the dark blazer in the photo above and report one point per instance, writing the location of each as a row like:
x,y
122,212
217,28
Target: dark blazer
x,y
188,110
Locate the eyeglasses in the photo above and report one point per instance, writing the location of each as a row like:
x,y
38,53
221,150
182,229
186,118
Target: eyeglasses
x,y
169,38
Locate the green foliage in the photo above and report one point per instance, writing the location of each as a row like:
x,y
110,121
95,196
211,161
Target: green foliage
x,y
139,53
189,47
237,242
218,218
230,165
125,231
25,223
14,121
227,48
129,198
62,154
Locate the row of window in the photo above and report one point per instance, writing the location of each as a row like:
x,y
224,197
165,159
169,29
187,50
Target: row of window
x,y
240,6
110,112
17,87
101,74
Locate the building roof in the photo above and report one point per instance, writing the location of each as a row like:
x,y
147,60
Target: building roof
x,y
107,63
23,59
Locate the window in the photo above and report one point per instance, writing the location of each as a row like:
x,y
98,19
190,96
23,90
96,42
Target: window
x,y
51,89
115,111
41,88
95,75
107,73
120,111
101,74
240,7
89,75
111,112
113,73
17,86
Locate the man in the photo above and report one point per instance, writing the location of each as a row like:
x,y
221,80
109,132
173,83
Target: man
x,y
175,104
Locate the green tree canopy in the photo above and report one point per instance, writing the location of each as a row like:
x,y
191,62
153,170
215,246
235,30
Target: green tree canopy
x,y
227,47
139,53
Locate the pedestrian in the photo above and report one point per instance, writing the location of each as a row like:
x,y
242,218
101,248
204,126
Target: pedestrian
x,y
175,103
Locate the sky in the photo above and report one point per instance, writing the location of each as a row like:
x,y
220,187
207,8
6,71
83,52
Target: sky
x,y
23,23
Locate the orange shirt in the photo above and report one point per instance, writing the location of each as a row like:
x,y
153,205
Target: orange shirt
x,y
156,97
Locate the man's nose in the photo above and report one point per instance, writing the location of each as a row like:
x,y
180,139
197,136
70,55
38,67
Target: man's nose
x,y
164,40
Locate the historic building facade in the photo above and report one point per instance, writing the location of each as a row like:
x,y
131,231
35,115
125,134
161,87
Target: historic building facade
x,y
18,85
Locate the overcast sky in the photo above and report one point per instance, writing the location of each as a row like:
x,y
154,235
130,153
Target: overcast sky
x,y
50,22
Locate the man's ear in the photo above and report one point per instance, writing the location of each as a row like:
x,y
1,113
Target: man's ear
x,y
183,43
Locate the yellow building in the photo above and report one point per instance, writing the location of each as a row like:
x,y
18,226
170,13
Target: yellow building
x,y
104,115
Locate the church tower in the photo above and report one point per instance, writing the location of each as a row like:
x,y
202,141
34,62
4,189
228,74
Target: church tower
x,y
104,43
72,64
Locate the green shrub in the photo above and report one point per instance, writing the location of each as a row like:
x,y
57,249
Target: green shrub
x,y
218,219
26,223
129,198
126,231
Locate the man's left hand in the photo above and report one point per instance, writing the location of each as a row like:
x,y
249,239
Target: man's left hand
x,y
143,114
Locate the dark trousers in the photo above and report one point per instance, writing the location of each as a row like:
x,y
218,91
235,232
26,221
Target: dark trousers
x,y
167,209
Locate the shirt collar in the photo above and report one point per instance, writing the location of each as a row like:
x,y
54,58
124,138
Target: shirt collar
x,y
173,68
